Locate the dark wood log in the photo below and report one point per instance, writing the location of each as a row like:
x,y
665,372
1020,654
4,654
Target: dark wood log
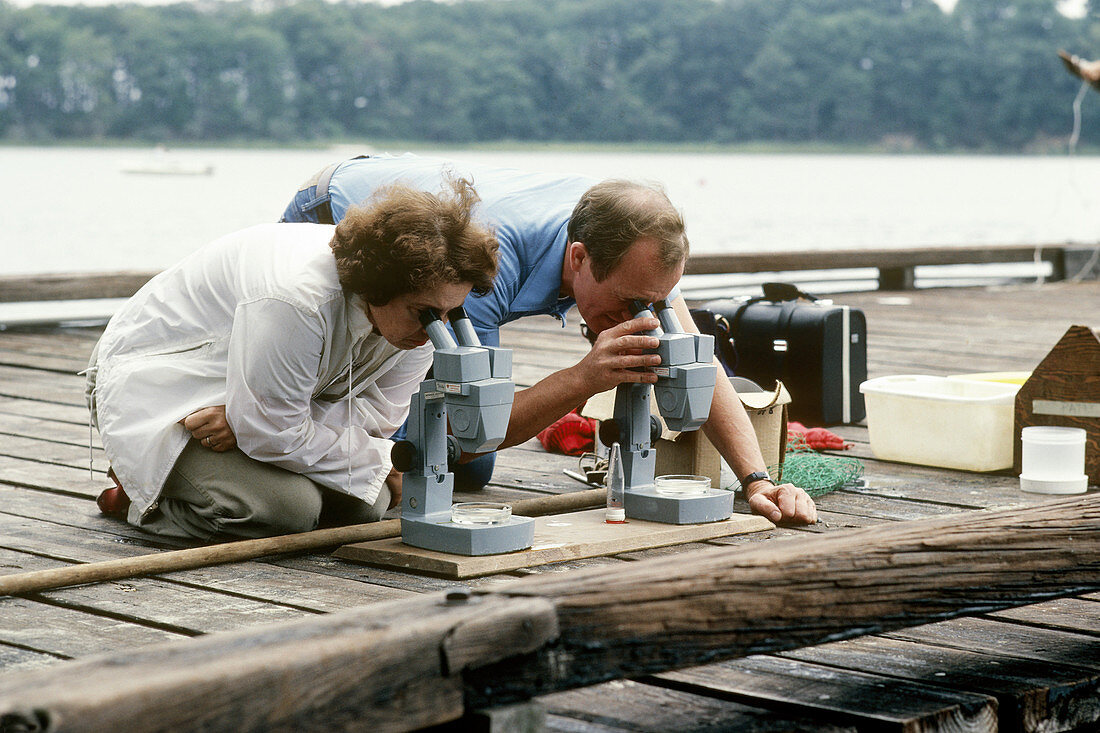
x,y
405,664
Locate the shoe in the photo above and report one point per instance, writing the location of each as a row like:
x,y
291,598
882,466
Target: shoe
x,y
113,502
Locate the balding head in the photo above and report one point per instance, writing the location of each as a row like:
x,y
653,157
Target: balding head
x,y
614,214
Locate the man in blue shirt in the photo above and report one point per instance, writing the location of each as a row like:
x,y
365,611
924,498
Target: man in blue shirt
x,y
564,241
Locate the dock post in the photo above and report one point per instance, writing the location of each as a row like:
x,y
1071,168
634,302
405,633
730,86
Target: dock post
x,y
896,278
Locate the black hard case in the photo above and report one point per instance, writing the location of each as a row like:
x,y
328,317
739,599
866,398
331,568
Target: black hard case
x,y
819,351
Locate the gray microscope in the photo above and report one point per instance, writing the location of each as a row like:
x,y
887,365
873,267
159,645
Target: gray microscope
x,y
472,390
684,389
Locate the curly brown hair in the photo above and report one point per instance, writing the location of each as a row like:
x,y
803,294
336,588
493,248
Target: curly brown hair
x,y
403,240
614,214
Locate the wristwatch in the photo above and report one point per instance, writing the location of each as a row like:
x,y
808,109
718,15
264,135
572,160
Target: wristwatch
x,y
756,476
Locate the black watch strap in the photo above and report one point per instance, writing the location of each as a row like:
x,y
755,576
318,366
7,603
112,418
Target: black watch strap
x,y
757,476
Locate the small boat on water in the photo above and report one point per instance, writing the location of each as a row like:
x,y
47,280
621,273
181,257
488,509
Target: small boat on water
x,y
161,162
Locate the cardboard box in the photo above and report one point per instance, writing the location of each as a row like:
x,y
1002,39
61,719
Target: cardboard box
x,y
1064,391
693,453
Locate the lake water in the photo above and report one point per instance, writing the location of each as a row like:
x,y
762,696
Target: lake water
x,y
75,209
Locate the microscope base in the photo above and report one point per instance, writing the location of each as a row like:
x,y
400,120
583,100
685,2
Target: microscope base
x,y
645,503
443,535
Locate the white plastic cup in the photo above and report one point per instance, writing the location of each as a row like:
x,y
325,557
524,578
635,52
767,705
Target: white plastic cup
x,y
1053,460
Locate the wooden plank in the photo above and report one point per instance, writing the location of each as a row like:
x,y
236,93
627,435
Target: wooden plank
x,y
877,507
59,432
68,341
60,546
48,411
49,477
544,634
960,489
1032,695
124,568
314,569
60,454
628,705
182,608
16,658
60,633
72,286
996,637
867,701
1070,614
62,365
558,538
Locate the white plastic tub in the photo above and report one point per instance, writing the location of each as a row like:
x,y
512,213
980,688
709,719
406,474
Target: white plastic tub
x,y
936,421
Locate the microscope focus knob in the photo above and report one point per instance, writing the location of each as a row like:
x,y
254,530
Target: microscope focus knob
x,y
403,455
654,429
609,431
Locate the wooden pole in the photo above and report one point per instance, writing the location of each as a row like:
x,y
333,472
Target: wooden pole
x,y
405,664
198,557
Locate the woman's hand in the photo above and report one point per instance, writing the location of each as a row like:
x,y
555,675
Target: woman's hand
x,y
393,483
211,429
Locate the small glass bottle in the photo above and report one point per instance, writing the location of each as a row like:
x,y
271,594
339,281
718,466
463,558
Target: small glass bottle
x,y
616,512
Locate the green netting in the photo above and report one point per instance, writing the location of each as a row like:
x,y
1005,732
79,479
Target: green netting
x,y
814,472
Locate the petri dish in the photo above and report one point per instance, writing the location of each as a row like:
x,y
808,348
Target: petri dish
x,y
480,512
681,485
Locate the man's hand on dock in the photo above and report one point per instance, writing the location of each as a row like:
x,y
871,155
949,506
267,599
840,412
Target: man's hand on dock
x,y
783,504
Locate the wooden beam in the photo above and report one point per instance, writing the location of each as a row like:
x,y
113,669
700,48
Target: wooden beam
x,y
883,259
71,286
406,664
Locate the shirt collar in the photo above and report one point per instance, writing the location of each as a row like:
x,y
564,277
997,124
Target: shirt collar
x,y
540,289
359,326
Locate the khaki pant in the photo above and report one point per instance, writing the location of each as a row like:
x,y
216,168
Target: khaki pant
x,y
212,495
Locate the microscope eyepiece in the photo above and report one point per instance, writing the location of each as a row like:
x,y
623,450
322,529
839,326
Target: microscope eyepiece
x,y
456,314
428,316
637,306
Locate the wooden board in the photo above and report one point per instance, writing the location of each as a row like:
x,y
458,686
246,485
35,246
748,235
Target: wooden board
x,y
628,705
1033,695
869,701
557,538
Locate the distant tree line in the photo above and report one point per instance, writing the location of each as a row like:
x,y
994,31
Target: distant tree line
x,y
900,72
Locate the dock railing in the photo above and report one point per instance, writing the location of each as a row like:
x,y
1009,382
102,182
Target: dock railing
x,y
896,268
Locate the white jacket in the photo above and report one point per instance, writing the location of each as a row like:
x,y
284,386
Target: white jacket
x,y
255,321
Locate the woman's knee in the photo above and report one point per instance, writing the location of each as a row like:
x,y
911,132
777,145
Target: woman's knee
x,y
240,496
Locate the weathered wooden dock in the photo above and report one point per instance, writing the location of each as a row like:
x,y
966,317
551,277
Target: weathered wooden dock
x,y
1030,668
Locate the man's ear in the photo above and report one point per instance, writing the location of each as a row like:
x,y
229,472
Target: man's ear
x,y
576,253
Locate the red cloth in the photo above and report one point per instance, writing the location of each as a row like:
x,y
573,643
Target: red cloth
x,y
571,435
817,438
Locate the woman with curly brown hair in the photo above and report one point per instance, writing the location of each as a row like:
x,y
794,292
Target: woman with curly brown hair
x,y
251,389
